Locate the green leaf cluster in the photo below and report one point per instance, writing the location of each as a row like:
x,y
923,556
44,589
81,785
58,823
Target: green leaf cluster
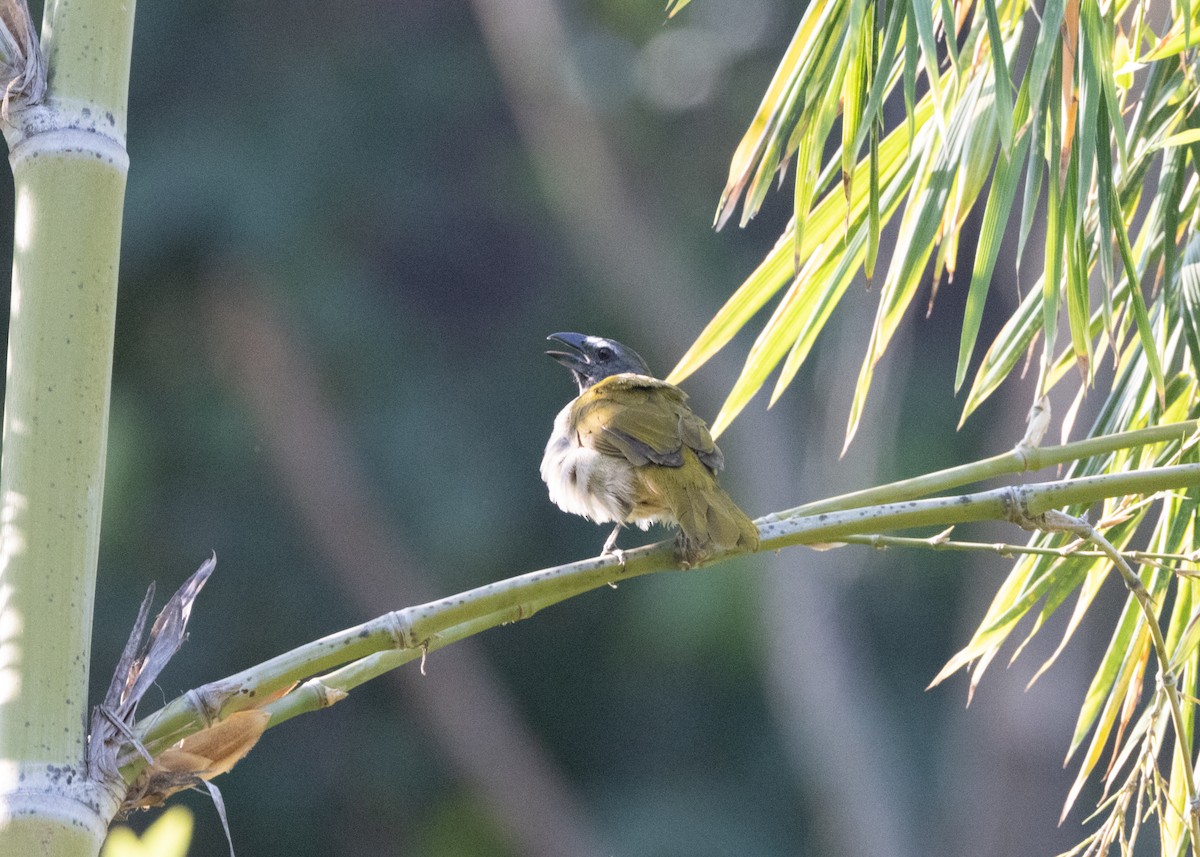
x,y
1096,119
1085,111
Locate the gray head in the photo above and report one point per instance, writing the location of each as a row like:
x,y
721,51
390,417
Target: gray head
x,y
595,358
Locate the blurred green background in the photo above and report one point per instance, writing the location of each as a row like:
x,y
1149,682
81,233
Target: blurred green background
x,y
349,228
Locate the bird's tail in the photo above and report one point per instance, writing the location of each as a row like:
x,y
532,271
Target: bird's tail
x,y
710,522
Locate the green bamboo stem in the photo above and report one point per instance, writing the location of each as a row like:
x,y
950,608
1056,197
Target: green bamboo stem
x,y
1020,459
69,167
417,630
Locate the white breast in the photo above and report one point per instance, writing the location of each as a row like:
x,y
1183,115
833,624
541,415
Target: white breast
x,y
583,481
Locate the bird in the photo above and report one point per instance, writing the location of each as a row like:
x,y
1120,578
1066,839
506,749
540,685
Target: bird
x,y
629,450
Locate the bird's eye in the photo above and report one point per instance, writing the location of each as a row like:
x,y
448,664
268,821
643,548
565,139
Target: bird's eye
x,y
604,353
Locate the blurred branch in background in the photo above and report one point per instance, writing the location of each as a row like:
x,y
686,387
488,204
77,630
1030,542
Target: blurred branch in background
x,y
605,221
460,702
637,265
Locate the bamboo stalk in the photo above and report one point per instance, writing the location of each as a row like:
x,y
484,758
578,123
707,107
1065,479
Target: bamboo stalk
x,y
69,167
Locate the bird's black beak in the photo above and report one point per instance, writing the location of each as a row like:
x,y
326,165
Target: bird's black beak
x,y
575,360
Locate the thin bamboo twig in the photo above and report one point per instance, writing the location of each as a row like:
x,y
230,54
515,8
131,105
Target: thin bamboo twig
x,y
942,542
1059,522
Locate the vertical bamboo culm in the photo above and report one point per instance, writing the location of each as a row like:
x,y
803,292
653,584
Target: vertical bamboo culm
x,y
67,150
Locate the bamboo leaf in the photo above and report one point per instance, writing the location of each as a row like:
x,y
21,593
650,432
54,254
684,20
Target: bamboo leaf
x,y
772,343
824,224
807,179
926,210
1179,39
881,80
1009,605
1054,268
1033,176
951,33
1009,346
1045,49
912,56
1002,79
1104,214
860,33
1183,138
1140,315
873,218
1075,270
812,322
1113,706
1111,679
1189,310
921,17
749,151
767,279
995,217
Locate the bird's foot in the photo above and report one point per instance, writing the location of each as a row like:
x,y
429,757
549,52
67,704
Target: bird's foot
x,y
690,553
615,552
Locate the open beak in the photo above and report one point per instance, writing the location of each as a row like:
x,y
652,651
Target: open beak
x,y
574,360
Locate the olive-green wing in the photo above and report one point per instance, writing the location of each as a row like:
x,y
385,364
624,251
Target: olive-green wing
x,y
645,420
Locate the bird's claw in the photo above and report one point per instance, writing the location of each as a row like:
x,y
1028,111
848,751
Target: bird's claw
x,y
615,552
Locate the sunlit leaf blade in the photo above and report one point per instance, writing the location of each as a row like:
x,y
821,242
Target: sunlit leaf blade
x,y
1097,573
1101,28
1140,314
772,343
811,323
1055,229
674,6
1105,200
1183,138
825,224
768,278
1190,300
873,217
881,79
918,229
1033,178
1007,349
912,57
1045,49
921,18
950,30
860,30
991,233
1166,207
1108,685
1075,275
817,126
1176,41
755,140
1001,77
1008,607
1127,678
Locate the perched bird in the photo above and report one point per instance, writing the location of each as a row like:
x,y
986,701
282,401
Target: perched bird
x,y
628,449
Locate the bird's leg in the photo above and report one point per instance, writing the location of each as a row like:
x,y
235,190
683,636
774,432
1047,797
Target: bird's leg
x,y
611,541
610,546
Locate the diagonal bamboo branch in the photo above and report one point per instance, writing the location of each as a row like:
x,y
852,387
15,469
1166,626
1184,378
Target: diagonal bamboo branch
x,y
405,635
